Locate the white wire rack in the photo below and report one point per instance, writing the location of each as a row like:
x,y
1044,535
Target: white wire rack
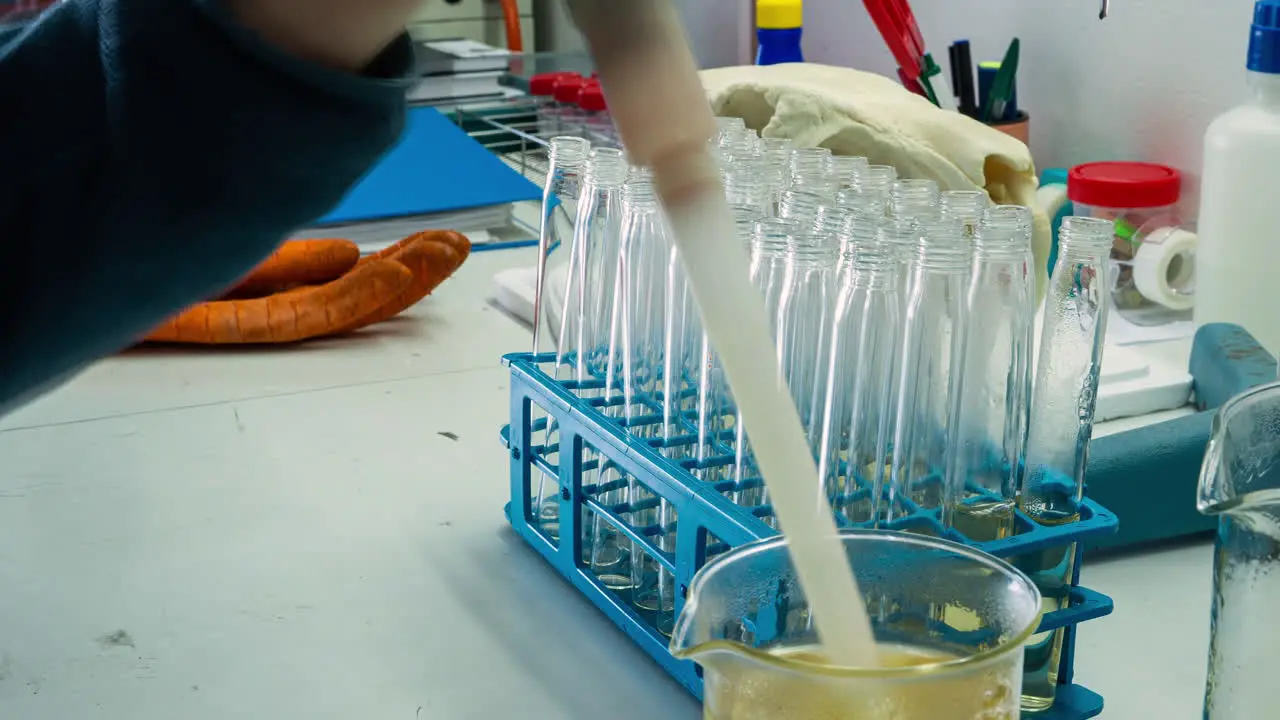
x,y
514,131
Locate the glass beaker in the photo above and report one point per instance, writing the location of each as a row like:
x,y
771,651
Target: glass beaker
x,y
950,621
1240,484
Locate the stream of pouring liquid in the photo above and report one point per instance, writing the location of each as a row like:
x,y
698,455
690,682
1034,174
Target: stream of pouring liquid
x,y
662,114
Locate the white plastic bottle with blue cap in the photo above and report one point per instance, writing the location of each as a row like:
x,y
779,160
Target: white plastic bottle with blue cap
x,y
1238,260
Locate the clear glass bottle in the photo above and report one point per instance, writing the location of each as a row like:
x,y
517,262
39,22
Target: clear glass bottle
x,y
966,206
805,302
583,340
932,339
560,191
864,202
901,236
802,207
714,406
771,241
567,157
875,178
846,167
1062,405
810,161
993,396
914,198
853,438
744,185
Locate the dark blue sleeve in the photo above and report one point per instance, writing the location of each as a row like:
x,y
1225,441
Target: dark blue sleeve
x,y
152,152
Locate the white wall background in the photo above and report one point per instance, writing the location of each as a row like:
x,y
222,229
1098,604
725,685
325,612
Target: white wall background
x,y
1141,85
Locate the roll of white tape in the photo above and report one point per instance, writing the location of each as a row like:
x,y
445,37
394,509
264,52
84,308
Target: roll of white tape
x,y
1164,268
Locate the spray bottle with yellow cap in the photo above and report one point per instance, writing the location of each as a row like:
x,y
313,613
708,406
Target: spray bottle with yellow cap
x,y
778,29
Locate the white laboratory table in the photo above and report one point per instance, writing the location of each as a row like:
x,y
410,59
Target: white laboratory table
x,y
317,532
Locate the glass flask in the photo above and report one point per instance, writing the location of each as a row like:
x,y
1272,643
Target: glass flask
x,y
1240,485
1062,405
853,439
932,340
746,623
993,391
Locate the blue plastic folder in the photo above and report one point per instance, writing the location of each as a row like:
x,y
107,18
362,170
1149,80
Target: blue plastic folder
x,y
435,168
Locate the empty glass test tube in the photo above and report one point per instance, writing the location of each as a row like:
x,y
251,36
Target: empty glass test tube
x,y
932,339
914,198
745,185
583,339
993,390
805,302
854,436
561,189
1062,405
714,407
875,178
770,242
862,202
800,206
967,206
846,167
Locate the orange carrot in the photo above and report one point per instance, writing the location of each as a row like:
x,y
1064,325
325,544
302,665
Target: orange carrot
x,y
431,263
459,242
299,262
292,315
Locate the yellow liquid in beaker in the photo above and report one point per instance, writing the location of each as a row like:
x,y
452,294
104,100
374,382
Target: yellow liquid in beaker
x,y
763,693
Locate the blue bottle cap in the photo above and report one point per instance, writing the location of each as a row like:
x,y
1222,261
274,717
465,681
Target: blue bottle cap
x,y
1264,38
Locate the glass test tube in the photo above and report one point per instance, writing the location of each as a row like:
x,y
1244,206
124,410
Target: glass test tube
x,y
770,242
966,205
846,167
714,405
805,302
1062,405
864,202
854,436
744,185
561,189
993,394
875,178
800,206
932,338
914,198
584,340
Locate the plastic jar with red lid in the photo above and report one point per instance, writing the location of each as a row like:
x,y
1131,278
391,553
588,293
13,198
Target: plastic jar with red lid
x,y
543,89
597,124
1153,256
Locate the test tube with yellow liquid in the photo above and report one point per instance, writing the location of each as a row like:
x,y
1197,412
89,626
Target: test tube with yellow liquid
x,y
1061,424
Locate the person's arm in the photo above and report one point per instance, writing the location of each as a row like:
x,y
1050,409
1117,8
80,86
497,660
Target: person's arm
x,y
153,152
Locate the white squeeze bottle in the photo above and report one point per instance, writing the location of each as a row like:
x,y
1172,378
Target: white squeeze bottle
x,y
1238,259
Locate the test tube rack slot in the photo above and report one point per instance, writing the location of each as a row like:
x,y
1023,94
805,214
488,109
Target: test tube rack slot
x,y
559,433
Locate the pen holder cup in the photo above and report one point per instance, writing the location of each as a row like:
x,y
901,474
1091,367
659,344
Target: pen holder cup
x,y
1019,127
